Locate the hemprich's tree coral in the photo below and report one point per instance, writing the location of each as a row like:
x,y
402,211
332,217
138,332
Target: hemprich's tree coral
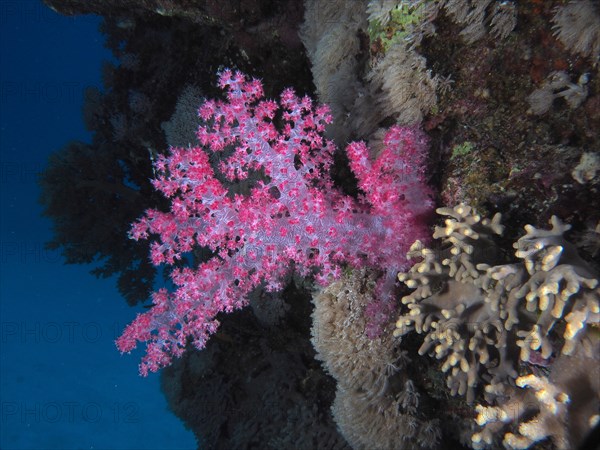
x,y
293,219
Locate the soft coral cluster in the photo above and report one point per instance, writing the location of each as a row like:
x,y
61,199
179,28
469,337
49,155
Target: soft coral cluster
x,y
293,218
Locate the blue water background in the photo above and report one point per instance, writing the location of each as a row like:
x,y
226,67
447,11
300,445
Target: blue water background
x,y
63,385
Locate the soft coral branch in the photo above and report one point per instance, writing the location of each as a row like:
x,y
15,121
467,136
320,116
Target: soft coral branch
x,y
292,217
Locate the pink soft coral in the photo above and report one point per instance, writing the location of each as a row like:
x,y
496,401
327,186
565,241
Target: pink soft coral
x,y
293,217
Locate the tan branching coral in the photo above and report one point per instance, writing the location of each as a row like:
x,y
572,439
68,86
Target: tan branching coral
x,y
561,285
455,307
485,320
561,407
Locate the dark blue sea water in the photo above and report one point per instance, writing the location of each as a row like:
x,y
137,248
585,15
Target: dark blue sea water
x,y
63,384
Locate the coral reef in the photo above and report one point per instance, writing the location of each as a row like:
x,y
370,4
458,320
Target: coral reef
x,y
293,219
378,404
441,62
586,170
576,25
558,85
363,92
498,87
509,95
486,320
180,129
